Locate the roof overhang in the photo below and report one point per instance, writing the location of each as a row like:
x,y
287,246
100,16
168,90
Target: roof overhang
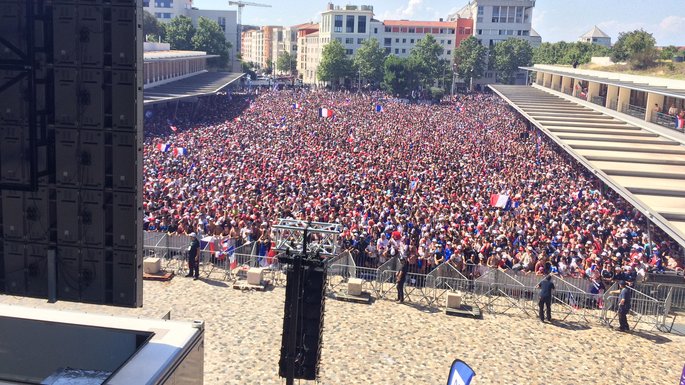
x,y
642,166
206,83
612,82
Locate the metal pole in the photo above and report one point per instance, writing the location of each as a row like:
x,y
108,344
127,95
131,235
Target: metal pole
x,y
52,276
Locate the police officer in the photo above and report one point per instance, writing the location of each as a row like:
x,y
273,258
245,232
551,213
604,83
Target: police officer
x,y
402,278
194,257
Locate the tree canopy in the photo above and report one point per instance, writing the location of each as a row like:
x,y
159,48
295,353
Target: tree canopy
x,y
334,63
179,33
426,57
509,55
568,53
400,75
152,29
638,48
470,59
369,59
210,38
286,62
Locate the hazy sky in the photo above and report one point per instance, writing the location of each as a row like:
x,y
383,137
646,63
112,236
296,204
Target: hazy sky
x,y
554,19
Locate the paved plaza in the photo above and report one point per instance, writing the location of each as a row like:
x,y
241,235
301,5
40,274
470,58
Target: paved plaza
x,y
389,343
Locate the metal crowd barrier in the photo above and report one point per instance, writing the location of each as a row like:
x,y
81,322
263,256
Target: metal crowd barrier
x,y
493,290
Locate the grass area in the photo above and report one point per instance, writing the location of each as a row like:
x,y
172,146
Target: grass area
x,y
662,69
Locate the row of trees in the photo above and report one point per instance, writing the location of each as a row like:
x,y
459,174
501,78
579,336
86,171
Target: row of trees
x,y
182,35
424,68
637,48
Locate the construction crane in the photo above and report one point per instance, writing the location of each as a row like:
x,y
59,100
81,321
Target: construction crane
x,y
241,5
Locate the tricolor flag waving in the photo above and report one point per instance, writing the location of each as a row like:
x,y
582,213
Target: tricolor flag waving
x,y
163,147
499,200
379,108
296,106
680,122
325,113
180,151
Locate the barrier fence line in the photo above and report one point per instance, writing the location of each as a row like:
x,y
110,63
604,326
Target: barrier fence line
x,y
493,290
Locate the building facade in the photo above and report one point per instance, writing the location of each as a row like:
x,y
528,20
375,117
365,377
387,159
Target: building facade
x,y
166,10
162,65
400,36
596,36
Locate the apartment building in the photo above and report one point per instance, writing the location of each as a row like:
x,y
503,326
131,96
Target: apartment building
x,y
400,36
596,36
308,54
166,10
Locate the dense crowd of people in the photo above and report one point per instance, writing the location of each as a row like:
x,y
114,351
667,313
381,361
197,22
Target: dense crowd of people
x,y
408,180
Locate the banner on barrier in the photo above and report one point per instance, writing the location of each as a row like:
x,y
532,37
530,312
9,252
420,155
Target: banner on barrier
x,y
460,373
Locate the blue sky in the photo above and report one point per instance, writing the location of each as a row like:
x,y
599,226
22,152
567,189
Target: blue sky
x,y
555,20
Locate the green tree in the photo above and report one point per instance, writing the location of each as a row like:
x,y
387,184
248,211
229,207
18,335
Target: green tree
x,y
369,59
152,29
211,39
667,53
638,48
509,55
179,33
470,59
400,75
334,63
286,62
426,57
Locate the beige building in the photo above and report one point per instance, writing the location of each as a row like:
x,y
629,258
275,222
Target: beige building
x,y
257,45
596,36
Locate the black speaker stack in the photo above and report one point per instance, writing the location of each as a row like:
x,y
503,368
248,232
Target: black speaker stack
x,y
303,318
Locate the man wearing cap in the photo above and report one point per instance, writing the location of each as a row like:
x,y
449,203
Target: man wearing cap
x,y
193,257
624,297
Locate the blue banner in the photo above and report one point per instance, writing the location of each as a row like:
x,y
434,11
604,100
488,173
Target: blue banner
x,y
460,373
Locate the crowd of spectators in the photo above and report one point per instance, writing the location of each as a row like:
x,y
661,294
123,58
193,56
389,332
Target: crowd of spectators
x,y
412,180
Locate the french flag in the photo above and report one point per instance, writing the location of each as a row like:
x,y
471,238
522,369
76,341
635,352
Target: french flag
x,y
499,200
680,122
296,106
577,195
180,151
230,251
325,113
163,147
379,108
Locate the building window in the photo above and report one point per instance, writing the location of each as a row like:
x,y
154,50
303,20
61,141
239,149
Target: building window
x,y
411,41
388,29
397,40
404,41
480,32
442,31
387,41
387,50
164,3
397,51
361,24
449,42
495,14
519,14
337,27
349,40
404,50
360,40
375,30
481,10
467,31
349,51
412,30
479,19
449,51
349,25
450,31
442,41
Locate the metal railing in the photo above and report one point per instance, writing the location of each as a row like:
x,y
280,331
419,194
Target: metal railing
x,y
632,110
599,100
492,290
665,120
